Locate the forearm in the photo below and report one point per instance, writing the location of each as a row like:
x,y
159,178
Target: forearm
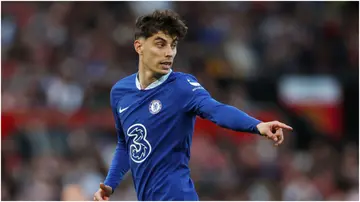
x,y
118,168
229,117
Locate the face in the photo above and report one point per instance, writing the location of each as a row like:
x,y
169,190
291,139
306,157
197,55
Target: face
x,y
157,52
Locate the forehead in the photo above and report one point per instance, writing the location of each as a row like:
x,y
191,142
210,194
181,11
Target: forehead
x,y
162,36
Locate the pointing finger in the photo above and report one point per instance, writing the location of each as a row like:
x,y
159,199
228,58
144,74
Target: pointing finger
x,y
282,125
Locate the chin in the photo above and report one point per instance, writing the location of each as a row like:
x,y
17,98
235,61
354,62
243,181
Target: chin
x,y
163,71
160,71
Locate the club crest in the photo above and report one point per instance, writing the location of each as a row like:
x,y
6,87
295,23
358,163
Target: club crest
x,y
155,106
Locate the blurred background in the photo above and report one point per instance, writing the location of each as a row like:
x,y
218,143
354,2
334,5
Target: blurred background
x,y
297,62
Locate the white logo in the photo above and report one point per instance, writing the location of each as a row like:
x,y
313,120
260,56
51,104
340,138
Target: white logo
x,y
155,106
140,148
122,110
193,83
197,88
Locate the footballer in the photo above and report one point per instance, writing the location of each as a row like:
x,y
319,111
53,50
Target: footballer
x,y
155,110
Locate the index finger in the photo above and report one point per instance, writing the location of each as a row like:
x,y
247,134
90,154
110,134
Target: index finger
x,y
283,125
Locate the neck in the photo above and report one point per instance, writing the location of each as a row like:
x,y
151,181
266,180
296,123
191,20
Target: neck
x,y
146,76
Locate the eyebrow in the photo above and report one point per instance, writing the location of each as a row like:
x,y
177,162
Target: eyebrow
x,y
159,38
164,40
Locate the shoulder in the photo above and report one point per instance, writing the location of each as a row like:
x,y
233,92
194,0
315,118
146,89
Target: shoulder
x,y
187,83
123,86
124,83
186,80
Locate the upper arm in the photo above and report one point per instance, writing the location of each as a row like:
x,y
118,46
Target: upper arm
x,y
198,99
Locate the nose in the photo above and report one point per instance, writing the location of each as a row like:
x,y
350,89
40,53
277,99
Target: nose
x,y
169,53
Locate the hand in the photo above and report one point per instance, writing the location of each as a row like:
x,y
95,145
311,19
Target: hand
x,y
273,130
103,193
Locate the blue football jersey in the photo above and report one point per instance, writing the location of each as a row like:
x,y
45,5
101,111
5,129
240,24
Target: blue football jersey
x,y
155,128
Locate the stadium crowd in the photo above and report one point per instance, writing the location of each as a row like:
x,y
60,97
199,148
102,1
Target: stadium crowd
x,y
60,59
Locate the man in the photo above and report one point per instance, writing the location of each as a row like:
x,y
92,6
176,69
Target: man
x,y
155,111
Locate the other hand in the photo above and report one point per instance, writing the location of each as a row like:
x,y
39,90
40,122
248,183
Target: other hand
x,y
103,193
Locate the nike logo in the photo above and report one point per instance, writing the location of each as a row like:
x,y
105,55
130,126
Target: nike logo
x,y
193,83
122,110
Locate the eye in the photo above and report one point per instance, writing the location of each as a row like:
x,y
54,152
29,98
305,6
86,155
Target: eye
x,y
160,45
173,46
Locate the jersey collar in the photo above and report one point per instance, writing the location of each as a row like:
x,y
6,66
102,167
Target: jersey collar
x,y
153,84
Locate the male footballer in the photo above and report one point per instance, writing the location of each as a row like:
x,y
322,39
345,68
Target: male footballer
x,y
155,110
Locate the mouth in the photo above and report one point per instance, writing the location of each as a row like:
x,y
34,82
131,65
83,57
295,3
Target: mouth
x,y
166,65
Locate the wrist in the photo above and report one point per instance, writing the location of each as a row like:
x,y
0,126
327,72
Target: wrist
x,y
109,187
258,127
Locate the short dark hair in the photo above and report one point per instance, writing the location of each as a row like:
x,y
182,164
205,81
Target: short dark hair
x,y
166,21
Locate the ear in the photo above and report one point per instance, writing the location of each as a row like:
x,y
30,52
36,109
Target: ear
x,y
138,45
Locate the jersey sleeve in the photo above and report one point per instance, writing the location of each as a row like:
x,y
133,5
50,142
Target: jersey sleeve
x,y
120,162
200,102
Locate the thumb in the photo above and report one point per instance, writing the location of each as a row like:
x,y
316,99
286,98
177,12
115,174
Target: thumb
x,y
106,188
270,135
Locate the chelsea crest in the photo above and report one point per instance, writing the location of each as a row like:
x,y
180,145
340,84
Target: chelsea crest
x,y
155,106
